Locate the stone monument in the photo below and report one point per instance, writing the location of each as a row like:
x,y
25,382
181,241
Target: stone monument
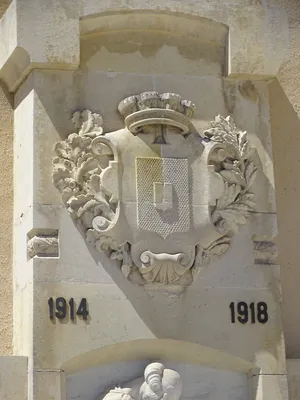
x,y
144,212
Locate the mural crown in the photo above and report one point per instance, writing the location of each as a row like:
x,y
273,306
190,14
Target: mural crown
x,y
152,108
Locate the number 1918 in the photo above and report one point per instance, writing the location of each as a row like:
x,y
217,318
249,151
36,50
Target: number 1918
x,y
244,313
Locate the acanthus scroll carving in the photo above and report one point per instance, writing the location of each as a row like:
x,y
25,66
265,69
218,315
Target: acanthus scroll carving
x,y
157,196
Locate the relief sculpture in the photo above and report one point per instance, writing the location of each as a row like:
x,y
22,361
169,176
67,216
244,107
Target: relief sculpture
x,y
158,196
158,383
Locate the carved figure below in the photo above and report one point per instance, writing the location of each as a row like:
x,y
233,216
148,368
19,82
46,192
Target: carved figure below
x,y
158,383
157,196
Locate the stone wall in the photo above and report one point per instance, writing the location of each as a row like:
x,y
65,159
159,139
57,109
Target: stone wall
x,y
285,113
6,212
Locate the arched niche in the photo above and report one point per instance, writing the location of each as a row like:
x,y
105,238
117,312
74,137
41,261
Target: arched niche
x,y
167,349
204,371
148,42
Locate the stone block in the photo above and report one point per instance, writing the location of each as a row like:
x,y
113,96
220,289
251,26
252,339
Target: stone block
x,y
293,377
36,39
269,387
48,385
138,314
13,378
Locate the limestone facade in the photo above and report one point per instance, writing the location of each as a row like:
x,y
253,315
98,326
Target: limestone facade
x,y
6,209
147,233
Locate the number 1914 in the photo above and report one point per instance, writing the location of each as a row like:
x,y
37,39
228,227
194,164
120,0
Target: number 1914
x,y
60,309
254,312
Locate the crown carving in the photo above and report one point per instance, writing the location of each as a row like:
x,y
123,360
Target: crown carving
x,y
152,108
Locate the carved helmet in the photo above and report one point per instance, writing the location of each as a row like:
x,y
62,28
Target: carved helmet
x,y
170,380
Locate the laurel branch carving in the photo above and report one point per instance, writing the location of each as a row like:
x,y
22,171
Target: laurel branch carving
x,y
235,206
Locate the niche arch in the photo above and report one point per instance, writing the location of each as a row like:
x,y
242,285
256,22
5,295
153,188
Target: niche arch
x,y
202,369
144,41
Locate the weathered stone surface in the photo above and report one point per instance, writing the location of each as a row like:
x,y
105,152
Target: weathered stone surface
x,y
126,52
34,38
13,378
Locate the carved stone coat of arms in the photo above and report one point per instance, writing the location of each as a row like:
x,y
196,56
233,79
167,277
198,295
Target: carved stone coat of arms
x,y
158,196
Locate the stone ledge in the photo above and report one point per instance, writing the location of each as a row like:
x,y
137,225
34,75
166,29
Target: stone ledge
x,y
36,34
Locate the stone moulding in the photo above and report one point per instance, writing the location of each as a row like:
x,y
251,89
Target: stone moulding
x,y
42,245
191,193
265,252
